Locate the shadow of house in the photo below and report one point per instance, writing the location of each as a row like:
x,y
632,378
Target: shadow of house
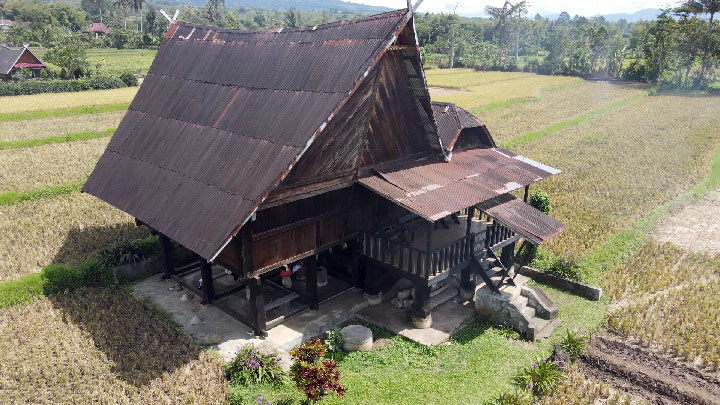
x,y
139,344
84,243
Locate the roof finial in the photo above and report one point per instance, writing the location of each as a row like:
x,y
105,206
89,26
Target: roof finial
x,y
415,7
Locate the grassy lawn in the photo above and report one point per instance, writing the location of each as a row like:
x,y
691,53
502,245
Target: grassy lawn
x,y
101,345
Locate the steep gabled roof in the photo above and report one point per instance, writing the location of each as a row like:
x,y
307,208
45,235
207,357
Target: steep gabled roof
x,y
9,59
452,120
99,28
224,115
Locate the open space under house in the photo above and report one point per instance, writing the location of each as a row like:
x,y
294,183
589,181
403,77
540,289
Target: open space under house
x,y
315,148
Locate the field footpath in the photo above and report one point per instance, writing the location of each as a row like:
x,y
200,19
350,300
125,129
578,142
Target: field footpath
x,y
62,112
71,137
532,136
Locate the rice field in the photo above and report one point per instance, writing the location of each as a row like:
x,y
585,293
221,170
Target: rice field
x,y
43,166
101,346
67,229
114,61
464,78
42,128
619,167
37,102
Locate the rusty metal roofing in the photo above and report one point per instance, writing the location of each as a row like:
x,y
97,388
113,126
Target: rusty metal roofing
x,y
434,189
524,219
99,28
452,120
223,115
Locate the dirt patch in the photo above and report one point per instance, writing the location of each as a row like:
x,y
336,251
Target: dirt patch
x,y
696,227
442,91
642,373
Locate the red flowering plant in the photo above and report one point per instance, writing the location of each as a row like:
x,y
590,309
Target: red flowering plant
x,y
313,375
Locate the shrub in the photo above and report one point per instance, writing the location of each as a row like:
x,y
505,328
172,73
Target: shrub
x,y
574,344
59,278
36,86
313,375
540,377
105,82
129,79
565,267
541,201
253,365
128,251
512,398
334,340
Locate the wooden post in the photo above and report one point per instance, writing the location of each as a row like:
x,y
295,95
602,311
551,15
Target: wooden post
x,y
373,279
257,307
207,282
507,257
311,291
427,252
421,305
527,189
466,285
167,256
355,263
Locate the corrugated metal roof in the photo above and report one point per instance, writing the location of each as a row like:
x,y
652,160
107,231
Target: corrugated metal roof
x,y
434,189
8,57
524,219
223,115
99,27
452,120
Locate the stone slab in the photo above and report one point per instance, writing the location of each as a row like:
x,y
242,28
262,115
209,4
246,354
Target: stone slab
x,y
575,287
229,333
448,318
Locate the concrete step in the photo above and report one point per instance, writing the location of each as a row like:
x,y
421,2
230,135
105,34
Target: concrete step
x,y
547,329
520,302
529,312
443,297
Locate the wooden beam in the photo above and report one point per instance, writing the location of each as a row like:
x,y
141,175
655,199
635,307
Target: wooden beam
x,y
427,251
527,190
246,256
208,287
311,289
169,266
257,307
421,300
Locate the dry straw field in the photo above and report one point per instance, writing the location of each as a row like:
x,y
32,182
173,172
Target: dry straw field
x,y
623,152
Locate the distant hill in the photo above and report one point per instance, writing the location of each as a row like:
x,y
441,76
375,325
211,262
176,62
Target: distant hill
x,y
644,14
305,5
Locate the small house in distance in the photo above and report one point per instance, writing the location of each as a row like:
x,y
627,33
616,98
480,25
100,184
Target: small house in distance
x,y
12,60
5,24
97,30
314,148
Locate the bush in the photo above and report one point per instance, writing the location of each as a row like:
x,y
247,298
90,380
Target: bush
x,y
313,375
541,201
334,340
540,377
574,344
512,398
36,86
565,267
129,79
253,365
128,251
59,278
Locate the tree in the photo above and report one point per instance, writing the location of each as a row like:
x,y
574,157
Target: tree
x,y
123,5
292,18
502,14
213,10
70,53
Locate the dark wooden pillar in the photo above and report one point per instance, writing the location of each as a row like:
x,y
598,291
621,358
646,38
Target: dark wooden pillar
x,y
207,282
373,278
355,263
166,246
466,273
257,307
311,289
427,251
527,190
421,305
507,257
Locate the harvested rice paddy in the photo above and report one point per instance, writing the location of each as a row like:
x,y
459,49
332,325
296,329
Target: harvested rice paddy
x,y
42,128
67,229
37,102
101,346
48,165
464,78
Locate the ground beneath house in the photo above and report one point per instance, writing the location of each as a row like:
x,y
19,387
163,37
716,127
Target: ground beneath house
x,y
696,227
648,375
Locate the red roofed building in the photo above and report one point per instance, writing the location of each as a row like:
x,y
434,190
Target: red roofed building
x,y
12,60
97,30
5,24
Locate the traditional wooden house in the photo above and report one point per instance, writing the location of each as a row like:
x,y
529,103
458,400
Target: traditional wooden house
x,y
257,150
12,60
97,30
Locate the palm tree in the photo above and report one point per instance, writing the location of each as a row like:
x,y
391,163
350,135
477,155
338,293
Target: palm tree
x,y
123,4
501,14
137,5
696,7
214,8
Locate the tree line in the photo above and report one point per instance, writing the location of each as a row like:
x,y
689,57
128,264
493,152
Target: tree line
x,y
681,47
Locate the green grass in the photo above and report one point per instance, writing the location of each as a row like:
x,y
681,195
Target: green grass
x,y
532,136
625,243
71,137
113,61
12,197
512,101
22,290
62,112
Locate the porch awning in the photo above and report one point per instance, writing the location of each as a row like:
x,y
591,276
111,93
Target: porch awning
x,y
522,218
434,189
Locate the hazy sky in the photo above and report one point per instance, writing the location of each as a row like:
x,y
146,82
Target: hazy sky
x,y
473,8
